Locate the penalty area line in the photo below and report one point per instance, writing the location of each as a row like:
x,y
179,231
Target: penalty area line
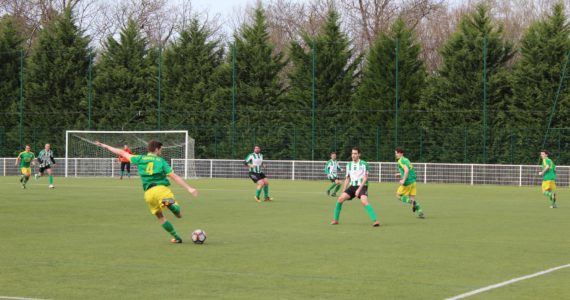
x,y
18,298
498,285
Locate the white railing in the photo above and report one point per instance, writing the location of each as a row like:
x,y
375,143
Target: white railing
x,y
473,174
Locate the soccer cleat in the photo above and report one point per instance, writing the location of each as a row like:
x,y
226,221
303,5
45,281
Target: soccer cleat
x,y
36,176
328,192
421,215
376,224
268,199
414,207
334,222
257,199
51,186
121,178
333,195
176,241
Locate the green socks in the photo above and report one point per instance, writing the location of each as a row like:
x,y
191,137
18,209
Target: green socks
x,y
170,229
405,199
337,210
174,208
50,179
331,187
266,191
370,212
257,193
336,189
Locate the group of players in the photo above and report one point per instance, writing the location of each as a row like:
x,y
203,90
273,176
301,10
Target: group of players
x,y
27,159
154,172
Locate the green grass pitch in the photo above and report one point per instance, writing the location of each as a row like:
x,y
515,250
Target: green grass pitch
x,y
95,239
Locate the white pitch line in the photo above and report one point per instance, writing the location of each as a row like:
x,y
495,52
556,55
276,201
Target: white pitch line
x,y
17,298
498,285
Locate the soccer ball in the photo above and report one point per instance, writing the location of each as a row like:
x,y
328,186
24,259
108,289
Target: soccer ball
x,y
198,236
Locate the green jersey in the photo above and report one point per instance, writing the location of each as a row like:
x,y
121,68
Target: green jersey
x,y
26,158
356,172
550,174
332,167
411,171
255,159
153,170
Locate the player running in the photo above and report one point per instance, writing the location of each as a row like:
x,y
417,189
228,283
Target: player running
x,y
549,178
47,162
254,161
331,169
357,182
407,190
154,171
24,160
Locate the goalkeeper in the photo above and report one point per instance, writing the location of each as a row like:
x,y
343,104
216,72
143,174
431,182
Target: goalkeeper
x,y
154,171
331,169
47,162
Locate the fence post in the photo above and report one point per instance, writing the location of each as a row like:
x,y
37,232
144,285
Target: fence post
x,y
293,171
379,172
113,167
520,175
425,173
211,168
471,174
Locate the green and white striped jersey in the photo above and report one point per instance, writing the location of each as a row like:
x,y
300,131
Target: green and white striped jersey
x,y
356,171
45,158
254,159
332,167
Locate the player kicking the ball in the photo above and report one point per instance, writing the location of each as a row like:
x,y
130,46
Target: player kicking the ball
x,y
357,182
154,171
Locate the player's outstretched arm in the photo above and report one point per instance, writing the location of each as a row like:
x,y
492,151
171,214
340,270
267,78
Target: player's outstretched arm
x,y
117,151
183,184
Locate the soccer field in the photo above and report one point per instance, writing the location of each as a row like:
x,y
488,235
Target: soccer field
x,y
96,239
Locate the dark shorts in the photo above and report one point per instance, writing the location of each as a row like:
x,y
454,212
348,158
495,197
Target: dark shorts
x,y
42,169
256,176
333,178
351,191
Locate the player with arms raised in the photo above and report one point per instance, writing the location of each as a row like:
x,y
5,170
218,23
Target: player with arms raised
x,y
24,160
154,171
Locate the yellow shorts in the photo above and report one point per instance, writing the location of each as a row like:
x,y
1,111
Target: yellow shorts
x,y
154,197
407,190
548,185
26,171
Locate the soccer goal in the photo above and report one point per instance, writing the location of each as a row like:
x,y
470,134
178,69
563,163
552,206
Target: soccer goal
x,y
84,159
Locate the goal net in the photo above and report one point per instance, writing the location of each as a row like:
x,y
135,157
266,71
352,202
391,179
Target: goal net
x,y
84,158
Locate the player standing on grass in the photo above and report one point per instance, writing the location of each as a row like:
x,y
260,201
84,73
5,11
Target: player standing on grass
x,y
125,163
46,161
254,161
357,180
24,160
549,178
331,169
407,190
154,171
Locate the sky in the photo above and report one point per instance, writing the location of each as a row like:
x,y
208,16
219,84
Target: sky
x,y
224,7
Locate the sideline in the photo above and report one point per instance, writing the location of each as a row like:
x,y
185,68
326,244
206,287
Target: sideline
x,y
498,285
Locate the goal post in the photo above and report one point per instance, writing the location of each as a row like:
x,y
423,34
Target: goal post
x,y
84,158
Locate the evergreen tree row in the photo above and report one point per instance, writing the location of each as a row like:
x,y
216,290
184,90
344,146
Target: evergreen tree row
x,y
490,102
